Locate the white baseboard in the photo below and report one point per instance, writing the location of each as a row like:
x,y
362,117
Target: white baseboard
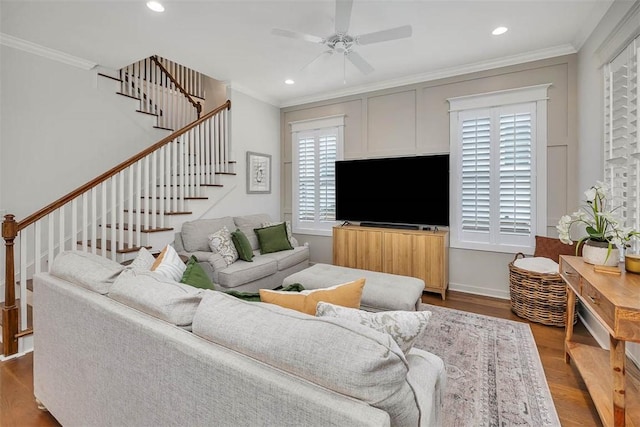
x,y
496,293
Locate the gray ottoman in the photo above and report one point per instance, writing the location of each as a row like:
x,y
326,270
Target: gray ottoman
x,y
382,291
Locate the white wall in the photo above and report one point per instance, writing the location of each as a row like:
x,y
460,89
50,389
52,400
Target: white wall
x,y
255,126
60,127
611,35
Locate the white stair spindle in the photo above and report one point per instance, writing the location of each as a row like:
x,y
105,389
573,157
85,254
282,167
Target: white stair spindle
x,y
103,218
94,221
121,208
50,240
23,276
181,160
132,208
37,246
174,174
226,139
148,202
114,215
61,228
74,224
85,222
153,184
163,194
138,192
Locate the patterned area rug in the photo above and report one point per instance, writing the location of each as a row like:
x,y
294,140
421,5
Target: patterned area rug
x,y
494,373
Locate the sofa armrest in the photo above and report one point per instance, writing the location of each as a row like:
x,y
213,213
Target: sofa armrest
x,y
428,377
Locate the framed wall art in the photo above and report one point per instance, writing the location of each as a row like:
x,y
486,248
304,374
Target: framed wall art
x,y
258,173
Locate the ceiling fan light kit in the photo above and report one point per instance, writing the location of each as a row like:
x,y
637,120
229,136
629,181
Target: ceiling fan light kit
x,y
342,42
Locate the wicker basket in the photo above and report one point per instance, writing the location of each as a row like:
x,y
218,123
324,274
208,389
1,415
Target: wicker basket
x,y
538,297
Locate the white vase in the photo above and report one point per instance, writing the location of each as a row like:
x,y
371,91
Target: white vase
x,y
596,253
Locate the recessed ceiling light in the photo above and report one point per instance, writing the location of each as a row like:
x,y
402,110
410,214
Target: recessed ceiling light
x,y
499,30
289,82
155,6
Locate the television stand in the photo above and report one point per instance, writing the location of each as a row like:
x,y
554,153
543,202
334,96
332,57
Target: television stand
x,y
388,225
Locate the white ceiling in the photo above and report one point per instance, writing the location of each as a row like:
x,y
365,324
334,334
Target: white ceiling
x,y
232,40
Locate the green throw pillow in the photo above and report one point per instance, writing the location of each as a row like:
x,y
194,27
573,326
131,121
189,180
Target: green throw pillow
x,y
195,275
273,238
255,296
242,245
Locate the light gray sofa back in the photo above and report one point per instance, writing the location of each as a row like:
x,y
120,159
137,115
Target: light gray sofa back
x,y
98,362
195,234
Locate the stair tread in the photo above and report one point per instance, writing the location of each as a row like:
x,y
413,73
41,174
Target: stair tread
x,y
143,230
185,197
201,185
128,96
160,127
127,248
110,77
147,112
164,213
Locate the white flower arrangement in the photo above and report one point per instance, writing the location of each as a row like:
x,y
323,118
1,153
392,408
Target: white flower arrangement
x,y
601,224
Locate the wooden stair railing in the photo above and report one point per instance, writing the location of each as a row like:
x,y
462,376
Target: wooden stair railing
x,y
138,192
161,93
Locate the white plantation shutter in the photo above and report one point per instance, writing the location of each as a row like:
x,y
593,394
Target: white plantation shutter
x,y
476,174
317,144
515,174
621,149
499,189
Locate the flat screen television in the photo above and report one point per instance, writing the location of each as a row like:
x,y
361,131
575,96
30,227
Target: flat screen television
x,y
394,191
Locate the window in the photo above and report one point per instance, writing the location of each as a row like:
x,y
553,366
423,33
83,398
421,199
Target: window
x,y
621,149
317,144
498,170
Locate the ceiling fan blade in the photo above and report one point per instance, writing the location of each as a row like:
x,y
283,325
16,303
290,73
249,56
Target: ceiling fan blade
x,y
299,36
308,64
343,15
385,35
359,62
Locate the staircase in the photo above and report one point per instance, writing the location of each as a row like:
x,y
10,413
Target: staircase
x,y
138,203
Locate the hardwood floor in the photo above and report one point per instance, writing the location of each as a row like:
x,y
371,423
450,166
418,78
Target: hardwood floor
x,y
573,404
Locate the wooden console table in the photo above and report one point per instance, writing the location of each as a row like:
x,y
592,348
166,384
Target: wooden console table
x,y
614,300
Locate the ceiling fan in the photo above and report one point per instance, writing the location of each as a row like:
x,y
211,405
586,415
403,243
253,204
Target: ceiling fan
x,y
341,42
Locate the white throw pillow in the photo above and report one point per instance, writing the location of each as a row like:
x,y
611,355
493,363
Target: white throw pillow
x,y
144,261
292,240
404,326
169,265
220,242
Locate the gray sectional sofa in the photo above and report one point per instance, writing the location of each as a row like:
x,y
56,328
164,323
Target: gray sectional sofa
x,y
124,347
264,272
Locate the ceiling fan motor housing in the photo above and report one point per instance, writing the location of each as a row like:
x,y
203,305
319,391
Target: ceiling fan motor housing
x,y
340,43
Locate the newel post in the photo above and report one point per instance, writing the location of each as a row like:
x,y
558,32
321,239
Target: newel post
x,y
9,308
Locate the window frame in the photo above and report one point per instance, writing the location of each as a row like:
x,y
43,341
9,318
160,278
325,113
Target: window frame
x,y
305,127
463,106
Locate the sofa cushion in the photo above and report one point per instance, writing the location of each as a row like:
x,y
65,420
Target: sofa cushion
x,y
243,246
157,296
241,272
352,359
195,275
273,238
286,259
195,233
346,294
85,269
404,326
220,242
247,223
169,264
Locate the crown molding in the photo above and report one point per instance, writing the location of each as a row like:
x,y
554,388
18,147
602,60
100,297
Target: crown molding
x,y
626,30
565,49
36,49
